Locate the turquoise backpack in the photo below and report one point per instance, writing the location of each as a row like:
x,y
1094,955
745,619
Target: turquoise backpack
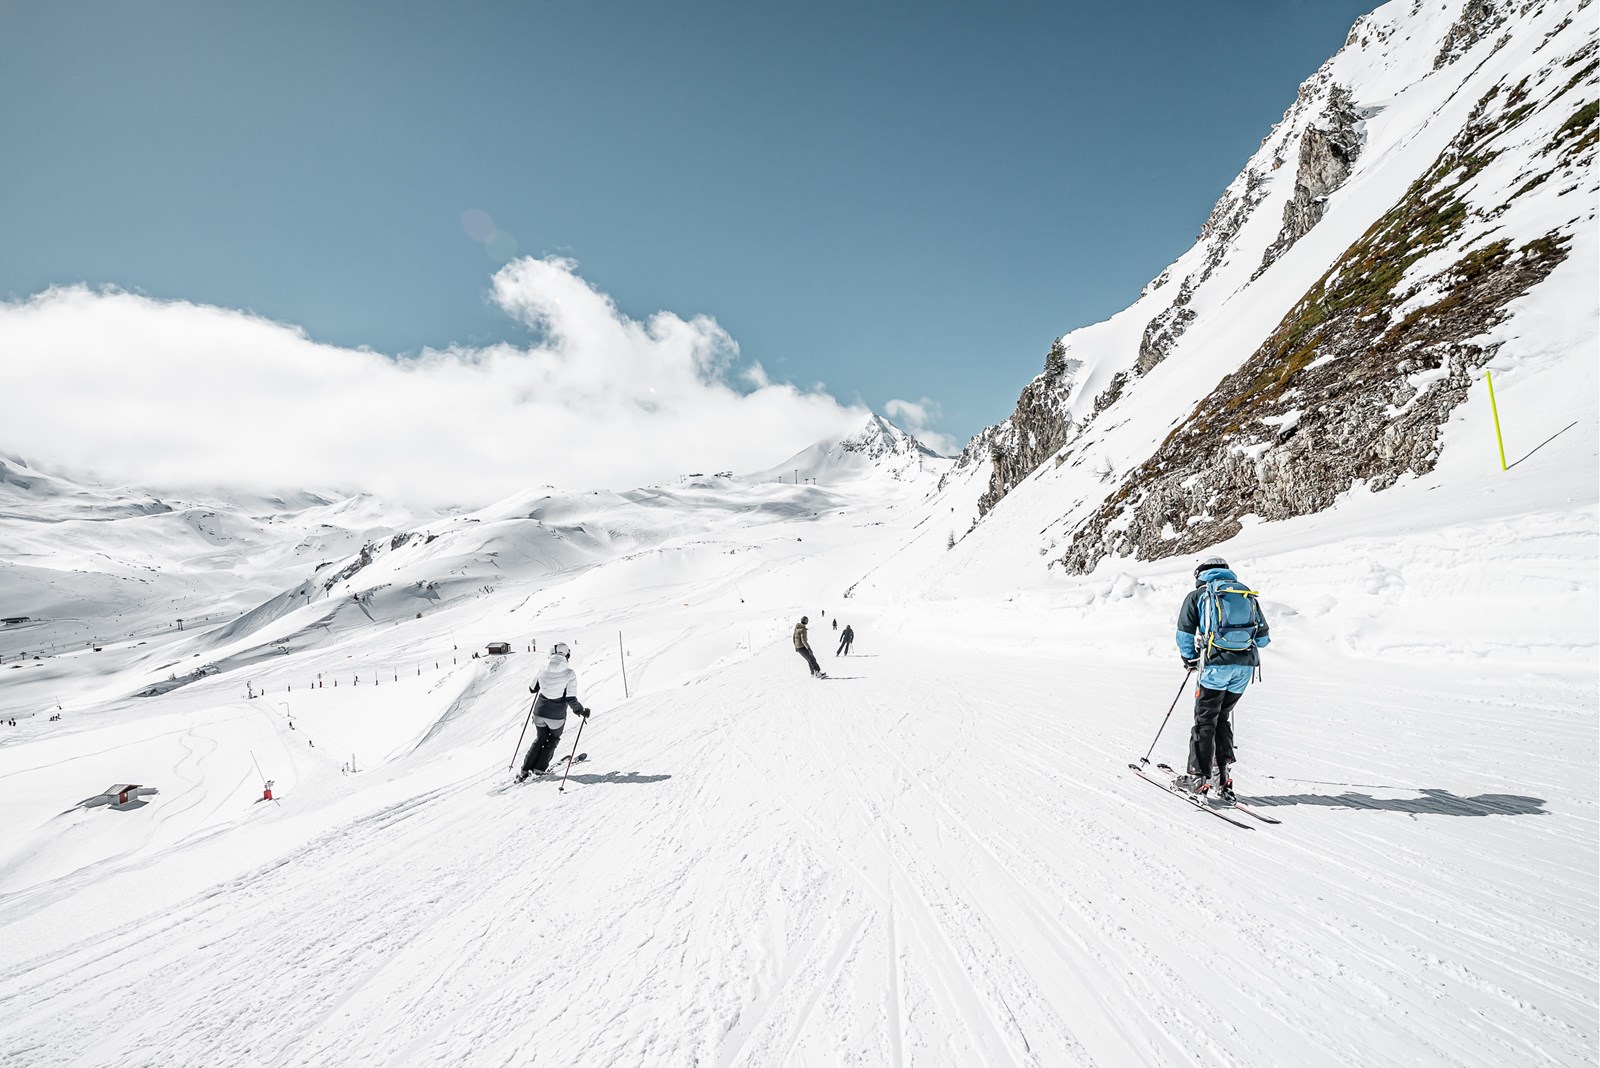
x,y
1229,616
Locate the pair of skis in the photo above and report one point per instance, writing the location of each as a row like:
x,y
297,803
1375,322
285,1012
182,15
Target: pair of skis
x,y
1217,809
551,772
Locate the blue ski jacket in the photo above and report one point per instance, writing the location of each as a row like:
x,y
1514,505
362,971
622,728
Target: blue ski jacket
x,y
1189,626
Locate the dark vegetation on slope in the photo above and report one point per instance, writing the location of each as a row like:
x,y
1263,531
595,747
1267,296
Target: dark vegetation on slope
x,y
1329,399
1328,147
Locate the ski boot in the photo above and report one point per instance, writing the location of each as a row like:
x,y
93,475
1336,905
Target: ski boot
x,y
1193,783
1225,792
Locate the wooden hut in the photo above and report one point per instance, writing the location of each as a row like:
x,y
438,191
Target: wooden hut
x,y
119,794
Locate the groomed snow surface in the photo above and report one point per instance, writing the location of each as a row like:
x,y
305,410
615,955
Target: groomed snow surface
x,y
935,857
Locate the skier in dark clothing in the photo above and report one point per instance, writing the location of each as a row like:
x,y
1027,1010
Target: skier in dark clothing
x,y
844,641
556,690
802,645
1227,659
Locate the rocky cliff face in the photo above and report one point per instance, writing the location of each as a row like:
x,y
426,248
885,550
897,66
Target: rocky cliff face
x,y
974,454
1479,18
1040,426
1357,380
1163,331
1365,366
1327,153
1035,430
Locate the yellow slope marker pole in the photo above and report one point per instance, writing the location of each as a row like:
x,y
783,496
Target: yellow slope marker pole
x,y
1495,409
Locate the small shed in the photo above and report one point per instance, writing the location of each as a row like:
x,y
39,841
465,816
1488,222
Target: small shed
x,y
12,621
119,794
499,648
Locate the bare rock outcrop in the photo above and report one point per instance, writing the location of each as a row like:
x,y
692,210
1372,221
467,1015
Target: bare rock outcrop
x,y
363,558
1164,330
1037,428
1478,19
976,451
1328,152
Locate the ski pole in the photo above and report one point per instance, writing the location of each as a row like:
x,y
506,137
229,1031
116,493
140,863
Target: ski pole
x,y
1146,758
572,755
524,732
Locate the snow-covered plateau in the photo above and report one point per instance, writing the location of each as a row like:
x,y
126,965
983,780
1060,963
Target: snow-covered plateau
x,y
938,855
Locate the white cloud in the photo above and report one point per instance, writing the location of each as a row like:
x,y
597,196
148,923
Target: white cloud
x,y
172,394
914,418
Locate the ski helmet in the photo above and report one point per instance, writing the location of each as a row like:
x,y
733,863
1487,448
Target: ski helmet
x,y
560,649
1208,563
805,619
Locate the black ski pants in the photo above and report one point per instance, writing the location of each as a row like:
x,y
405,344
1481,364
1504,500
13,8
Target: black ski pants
x,y
543,747
1213,730
844,647
811,661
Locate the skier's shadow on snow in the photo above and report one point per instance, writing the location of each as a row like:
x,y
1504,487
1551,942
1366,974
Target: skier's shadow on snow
x,y
1431,803
617,778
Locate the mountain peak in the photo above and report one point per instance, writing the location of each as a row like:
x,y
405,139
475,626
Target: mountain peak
x,y
879,437
878,446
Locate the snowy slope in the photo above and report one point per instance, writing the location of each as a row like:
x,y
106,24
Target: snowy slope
x,y
105,571
1257,381
938,855
754,868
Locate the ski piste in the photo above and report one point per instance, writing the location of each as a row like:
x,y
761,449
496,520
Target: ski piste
x,y
1190,798
1240,805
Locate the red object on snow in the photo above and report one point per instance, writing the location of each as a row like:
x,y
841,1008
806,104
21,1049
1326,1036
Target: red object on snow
x,y
266,792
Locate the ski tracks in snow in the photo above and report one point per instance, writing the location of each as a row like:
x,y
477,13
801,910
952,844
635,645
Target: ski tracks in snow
x,y
764,870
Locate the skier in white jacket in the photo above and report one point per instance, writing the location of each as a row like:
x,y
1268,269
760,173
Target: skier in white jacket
x,y
556,690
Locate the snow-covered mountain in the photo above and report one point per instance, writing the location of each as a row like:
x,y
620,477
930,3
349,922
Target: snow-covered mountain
x,y
39,497
92,566
84,564
1425,211
878,447
938,855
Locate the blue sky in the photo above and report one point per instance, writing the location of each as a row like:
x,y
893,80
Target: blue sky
x,y
892,200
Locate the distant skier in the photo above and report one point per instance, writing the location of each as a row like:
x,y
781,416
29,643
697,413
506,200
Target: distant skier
x,y
1226,618
835,622
556,690
844,641
802,645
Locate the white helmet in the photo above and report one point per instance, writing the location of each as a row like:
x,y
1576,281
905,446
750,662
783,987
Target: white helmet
x,y
560,649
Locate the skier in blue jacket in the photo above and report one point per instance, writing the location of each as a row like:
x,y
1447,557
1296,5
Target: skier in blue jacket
x,y
1224,674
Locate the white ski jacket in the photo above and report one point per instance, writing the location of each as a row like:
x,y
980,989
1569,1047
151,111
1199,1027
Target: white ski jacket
x,y
557,687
